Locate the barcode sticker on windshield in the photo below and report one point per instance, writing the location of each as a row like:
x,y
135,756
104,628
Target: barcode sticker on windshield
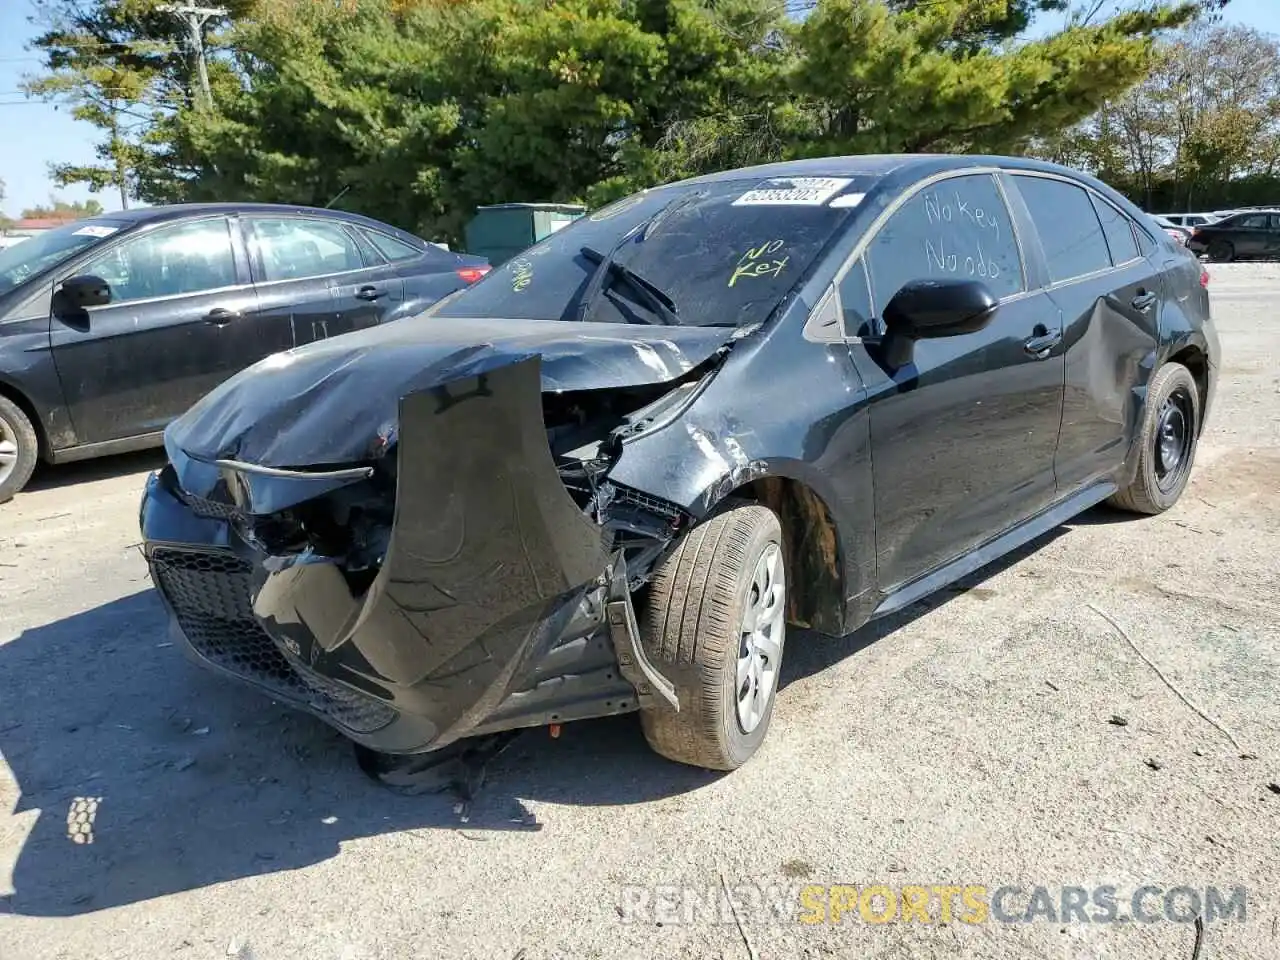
x,y
95,230
793,192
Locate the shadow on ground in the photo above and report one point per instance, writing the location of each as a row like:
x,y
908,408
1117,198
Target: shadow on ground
x,y
50,476
152,777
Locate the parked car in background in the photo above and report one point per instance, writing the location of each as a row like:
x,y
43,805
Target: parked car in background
x,y
1180,234
112,326
1188,219
607,476
1249,235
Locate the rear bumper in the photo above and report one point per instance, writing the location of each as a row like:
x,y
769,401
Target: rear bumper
x,y
495,605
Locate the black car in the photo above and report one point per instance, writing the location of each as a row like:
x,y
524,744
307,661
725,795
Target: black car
x,y
607,476
1249,235
110,327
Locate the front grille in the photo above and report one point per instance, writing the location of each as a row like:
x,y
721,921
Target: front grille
x,y
210,509
211,596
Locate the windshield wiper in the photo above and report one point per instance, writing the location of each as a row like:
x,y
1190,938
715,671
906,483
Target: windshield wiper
x,y
655,297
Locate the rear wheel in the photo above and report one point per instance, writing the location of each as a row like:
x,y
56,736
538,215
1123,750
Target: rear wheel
x,y
19,449
715,626
1222,251
1170,429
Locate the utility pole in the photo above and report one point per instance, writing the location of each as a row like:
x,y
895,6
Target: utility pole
x,y
195,18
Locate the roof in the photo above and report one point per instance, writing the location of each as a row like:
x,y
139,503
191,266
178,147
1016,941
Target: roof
x,y
878,165
174,210
138,216
549,207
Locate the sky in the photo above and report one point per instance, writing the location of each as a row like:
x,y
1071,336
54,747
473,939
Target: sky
x,y
35,134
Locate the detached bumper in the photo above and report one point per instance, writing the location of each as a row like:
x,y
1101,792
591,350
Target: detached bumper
x,y
490,611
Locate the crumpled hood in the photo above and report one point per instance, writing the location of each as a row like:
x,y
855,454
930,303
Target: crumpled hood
x,y
336,401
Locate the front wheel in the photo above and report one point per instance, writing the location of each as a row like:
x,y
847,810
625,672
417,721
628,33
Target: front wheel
x,y
1167,446
715,626
19,449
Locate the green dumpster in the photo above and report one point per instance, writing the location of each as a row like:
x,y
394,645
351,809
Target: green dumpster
x,y
502,230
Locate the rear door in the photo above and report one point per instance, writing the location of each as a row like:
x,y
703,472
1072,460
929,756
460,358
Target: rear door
x,y
1273,240
180,321
315,275
1249,234
1110,297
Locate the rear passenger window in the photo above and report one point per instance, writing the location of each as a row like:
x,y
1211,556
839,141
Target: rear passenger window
x,y
292,249
1070,232
1118,231
958,229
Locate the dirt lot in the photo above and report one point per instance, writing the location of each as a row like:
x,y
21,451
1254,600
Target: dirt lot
x,y
970,741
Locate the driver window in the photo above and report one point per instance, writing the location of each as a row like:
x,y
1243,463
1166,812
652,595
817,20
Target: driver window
x,y
955,229
169,261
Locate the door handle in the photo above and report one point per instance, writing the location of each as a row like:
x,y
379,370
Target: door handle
x,y
1144,301
370,293
1042,341
220,316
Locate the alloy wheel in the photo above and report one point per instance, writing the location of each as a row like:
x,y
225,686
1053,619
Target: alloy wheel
x,y
8,450
760,643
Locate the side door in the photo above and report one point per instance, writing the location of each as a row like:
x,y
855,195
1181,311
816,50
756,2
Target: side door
x,y
1110,295
178,324
1249,235
315,275
963,438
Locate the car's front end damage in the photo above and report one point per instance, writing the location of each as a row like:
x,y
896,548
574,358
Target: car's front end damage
x,y
414,534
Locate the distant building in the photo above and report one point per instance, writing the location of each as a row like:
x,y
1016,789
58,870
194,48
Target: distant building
x,y
28,226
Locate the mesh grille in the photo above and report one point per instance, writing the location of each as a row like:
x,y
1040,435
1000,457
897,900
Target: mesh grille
x,y
209,509
211,597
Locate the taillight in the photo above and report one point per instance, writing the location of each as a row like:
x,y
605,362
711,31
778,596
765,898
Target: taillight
x,y
1204,278
472,274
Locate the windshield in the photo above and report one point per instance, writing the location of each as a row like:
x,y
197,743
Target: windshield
x,y
712,254
24,260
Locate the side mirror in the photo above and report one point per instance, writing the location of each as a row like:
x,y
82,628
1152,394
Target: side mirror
x,y
77,293
929,309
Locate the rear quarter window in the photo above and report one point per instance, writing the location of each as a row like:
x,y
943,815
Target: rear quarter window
x,y
1118,229
391,248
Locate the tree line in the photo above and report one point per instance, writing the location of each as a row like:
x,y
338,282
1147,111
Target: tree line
x,y
1200,132
416,111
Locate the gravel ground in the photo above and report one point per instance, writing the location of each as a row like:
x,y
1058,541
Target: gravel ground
x,y
157,811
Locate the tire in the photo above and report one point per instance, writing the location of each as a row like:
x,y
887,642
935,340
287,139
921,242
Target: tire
x,y
1222,251
1156,487
19,449
693,632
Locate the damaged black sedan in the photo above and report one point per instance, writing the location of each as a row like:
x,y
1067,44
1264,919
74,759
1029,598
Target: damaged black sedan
x,y
609,475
